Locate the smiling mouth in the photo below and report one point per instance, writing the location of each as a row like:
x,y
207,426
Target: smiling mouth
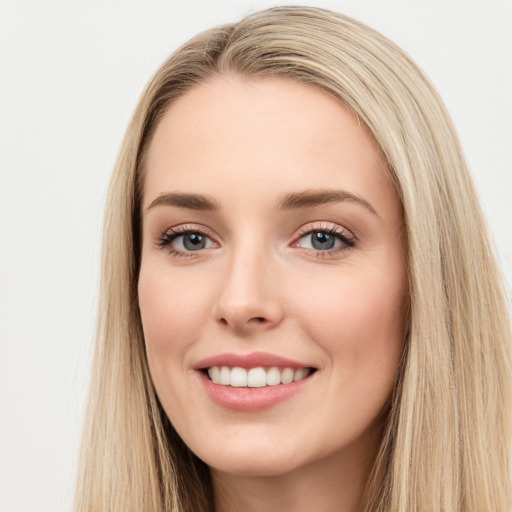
x,y
256,377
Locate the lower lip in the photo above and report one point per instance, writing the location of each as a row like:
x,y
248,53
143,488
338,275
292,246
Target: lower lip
x,y
251,399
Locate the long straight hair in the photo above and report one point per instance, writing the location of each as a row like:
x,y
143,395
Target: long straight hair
x,y
446,443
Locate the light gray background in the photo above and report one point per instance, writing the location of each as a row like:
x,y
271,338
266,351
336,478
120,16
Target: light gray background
x,y
70,75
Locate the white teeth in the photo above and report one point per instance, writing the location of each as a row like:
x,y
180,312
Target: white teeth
x,y
238,377
225,376
214,374
300,374
287,376
273,376
255,377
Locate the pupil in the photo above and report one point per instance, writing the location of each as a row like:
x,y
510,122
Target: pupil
x,y
193,242
322,241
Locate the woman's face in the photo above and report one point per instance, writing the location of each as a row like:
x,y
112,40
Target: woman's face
x,y
272,251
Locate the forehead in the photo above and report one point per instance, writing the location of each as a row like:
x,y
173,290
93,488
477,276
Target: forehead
x,y
262,136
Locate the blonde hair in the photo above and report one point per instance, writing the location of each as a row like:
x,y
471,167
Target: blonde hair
x,y
446,445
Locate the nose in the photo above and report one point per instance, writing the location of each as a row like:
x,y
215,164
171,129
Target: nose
x,y
248,300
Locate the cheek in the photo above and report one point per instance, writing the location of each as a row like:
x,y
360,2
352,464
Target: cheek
x,y
360,322
171,313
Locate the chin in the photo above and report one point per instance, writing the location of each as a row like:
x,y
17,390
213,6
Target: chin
x,y
254,461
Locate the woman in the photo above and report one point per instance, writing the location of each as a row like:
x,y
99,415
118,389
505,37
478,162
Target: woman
x,y
300,308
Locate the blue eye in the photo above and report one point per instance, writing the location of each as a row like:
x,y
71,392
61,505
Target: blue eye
x,y
325,240
180,242
190,242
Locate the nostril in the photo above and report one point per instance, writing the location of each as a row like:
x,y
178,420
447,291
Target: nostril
x,y
243,323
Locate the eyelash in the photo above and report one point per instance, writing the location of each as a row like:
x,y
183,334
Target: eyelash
x,y
348,240
166,238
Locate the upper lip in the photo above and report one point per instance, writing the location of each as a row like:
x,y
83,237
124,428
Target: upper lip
x,y
251,360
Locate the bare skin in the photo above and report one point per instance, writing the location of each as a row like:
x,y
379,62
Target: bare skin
x,y
333,484
270,226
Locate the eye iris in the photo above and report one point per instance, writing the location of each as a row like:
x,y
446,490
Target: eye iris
x,y
322,241
194,241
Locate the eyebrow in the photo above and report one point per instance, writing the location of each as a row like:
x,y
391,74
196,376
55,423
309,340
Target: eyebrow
x,y
311,198
183,200
290,201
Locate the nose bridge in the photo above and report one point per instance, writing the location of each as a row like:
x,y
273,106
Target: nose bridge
x,y
247,297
